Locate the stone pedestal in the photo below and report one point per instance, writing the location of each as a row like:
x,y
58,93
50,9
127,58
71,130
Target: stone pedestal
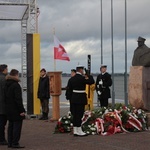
x,y
148,119
139,87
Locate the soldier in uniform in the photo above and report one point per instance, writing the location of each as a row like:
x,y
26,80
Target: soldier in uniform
x,y
103,82
78,98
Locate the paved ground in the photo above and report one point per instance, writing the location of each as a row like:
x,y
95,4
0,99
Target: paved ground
x,y
38,135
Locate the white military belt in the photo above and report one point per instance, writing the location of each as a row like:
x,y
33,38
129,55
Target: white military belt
x,y
79,91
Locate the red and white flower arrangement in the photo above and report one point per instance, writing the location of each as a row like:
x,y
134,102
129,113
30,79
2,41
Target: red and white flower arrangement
x,y
107,121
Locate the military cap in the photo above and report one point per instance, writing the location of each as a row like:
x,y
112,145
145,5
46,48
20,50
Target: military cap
x,y
73,70
79,67
103,66
43,69
140,39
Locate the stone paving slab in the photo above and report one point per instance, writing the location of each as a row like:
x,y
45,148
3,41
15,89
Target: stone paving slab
x,y
38,135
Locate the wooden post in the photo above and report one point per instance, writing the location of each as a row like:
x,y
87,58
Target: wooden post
x,y
55,92
55,108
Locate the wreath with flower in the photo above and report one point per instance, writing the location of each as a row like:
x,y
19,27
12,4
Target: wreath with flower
x,y
64,124
107,121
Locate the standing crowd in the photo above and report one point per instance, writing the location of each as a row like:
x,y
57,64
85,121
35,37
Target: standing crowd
x,y
79,92
11,107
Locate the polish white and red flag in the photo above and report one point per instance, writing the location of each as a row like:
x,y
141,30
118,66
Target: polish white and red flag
x,y
59,50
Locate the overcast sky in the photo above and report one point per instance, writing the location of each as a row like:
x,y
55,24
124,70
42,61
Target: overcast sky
x,y
77,26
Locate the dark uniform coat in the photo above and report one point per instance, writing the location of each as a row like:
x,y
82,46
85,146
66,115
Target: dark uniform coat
x,y
104,88
13,99
43,88
78,82
67,90
78,97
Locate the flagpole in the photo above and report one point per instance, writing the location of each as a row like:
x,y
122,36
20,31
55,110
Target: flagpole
x,y
54,59
112,47
125,76
101,5
54,65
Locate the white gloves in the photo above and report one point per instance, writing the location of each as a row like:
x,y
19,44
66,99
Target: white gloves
x,y
100,82
99,93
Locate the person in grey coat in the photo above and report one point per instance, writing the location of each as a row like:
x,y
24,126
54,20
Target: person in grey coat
x,y
3,118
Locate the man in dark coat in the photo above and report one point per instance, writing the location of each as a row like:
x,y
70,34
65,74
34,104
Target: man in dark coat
x,y
14,108
44,94
103,82
78,98
3,118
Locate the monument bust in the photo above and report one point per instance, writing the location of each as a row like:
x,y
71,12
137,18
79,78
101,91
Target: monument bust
x,y
141,55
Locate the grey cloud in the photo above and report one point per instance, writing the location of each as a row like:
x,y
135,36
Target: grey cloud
x,y
77,25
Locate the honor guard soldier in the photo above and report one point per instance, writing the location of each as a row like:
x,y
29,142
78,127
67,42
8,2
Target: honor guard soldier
x,y
103,82
78,98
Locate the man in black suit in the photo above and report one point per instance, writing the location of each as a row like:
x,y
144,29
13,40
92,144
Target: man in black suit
x,y
78,98
14,108
103,82
44,94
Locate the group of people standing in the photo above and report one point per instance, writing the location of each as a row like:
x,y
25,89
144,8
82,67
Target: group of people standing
x,y
11,107
76,94
11,102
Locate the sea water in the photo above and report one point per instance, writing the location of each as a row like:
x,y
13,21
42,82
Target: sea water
x,y
118,91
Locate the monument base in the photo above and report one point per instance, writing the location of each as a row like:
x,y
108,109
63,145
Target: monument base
x,y
139,87
148,119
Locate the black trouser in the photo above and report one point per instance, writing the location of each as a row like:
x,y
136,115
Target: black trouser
x,y
45,105
77,112
3,121
103,102
14,132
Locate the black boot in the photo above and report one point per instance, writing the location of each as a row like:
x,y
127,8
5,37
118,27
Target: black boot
x,y
41,118
45,116
4,142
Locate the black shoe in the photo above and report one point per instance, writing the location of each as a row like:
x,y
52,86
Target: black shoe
x,y
4,143
9,146
41,118
17,146
44,118
75,134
